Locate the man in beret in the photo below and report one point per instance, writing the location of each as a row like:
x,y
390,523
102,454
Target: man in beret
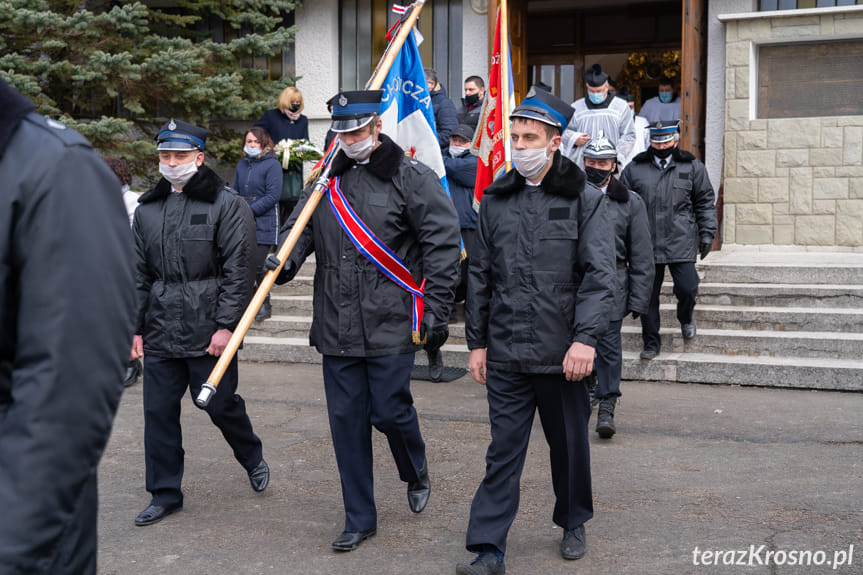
x,y
682,218
195,240
540,281
598,110
366,325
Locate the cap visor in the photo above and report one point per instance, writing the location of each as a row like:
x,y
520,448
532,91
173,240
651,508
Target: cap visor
x,y
662,139
176,146
342,126
539,117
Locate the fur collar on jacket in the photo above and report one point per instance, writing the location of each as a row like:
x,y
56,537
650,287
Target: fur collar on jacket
x,y
677,155
383,163
563,179
204,185
617,191
13,108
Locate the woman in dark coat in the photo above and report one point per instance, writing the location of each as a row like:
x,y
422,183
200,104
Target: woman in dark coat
x,y
286,122
258,178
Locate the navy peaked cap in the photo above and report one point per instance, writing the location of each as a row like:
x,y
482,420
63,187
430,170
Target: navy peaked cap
x,y
180,135
353,110
664,131
544,107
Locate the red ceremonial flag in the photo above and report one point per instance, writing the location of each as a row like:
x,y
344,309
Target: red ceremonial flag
x,y
490,142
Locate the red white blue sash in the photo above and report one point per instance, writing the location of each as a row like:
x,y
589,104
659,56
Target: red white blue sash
x,y
377,252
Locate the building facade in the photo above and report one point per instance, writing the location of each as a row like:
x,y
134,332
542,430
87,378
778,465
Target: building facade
x,y
768,87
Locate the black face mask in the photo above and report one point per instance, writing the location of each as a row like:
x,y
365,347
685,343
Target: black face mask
x,y
663,153
471,100
295,107
596,176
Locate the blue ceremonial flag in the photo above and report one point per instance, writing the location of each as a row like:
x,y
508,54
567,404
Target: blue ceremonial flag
x,y
406,109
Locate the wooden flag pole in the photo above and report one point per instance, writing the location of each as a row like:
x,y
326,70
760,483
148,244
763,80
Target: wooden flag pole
x,y
504,82
208,389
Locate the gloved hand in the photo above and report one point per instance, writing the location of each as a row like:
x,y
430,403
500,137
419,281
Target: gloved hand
x,y
288,272
433,336
272,262
635,315
704,248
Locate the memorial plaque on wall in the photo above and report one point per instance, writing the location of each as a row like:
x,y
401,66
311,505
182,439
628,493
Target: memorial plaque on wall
x,y
810,79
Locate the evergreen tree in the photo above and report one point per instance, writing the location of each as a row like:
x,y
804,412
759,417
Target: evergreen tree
x,y
114,70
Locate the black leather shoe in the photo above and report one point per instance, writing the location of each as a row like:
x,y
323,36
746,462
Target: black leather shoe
x,y
259,477
419,490
605,417
348,541
155,513
688,330
573,545
485,564
435,364
133,372
266,310
649,353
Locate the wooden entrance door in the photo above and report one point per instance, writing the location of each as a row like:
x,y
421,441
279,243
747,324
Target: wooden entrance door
x,y
693,78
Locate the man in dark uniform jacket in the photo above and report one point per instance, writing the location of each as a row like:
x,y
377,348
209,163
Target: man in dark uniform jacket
x,y
540,283
362,320
634,254
66,295
682,217
194,242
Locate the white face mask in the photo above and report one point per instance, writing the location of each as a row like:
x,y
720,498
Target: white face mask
x,y
359,150
252,152
179,175
530,162
456,151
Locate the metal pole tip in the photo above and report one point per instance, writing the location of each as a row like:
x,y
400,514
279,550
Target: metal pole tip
x,y
207,392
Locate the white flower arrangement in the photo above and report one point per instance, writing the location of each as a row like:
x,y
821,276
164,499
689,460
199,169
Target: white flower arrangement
x,y
292,153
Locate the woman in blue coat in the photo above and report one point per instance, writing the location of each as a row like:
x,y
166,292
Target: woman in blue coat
x,y
258,178
286,122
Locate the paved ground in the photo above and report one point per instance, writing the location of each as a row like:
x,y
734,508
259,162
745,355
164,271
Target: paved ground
x,y
713,467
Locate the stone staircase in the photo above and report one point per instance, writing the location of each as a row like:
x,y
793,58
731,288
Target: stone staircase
x,y
765,318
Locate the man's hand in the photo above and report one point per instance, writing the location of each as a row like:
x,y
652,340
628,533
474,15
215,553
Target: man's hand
x,y
433,336
578,362
635,315
272,262
218,342
137,348
476,363
582,139
704,248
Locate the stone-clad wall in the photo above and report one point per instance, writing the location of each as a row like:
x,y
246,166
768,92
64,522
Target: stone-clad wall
x,y
789,181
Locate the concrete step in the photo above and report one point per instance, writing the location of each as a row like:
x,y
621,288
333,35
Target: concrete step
x,y
806,373
709,341
748,343
778,295
782,267
846,320
736,294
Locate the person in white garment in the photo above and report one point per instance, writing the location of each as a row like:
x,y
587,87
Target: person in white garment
x,y
598,110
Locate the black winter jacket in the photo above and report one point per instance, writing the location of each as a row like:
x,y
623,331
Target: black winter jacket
x,y
461,178
445,116
66,301
541,275
194,264
633,250
679,202
359,312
